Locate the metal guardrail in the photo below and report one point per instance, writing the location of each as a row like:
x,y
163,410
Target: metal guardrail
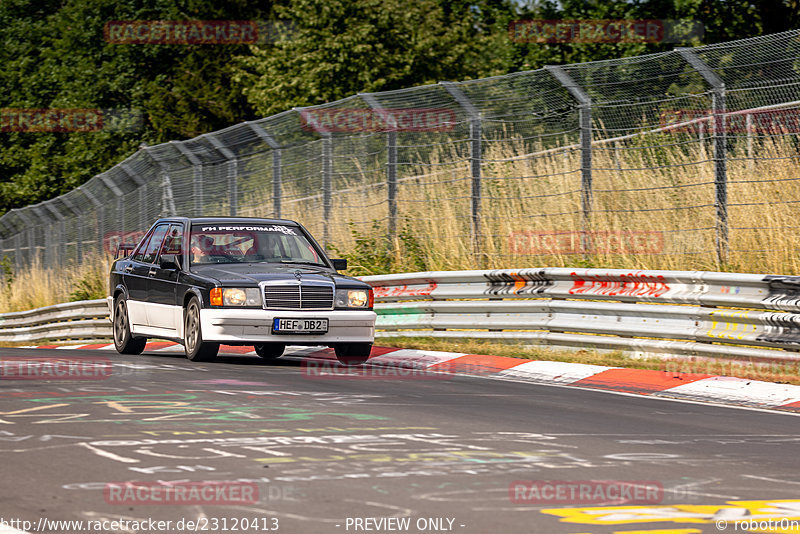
x,y
82,320
645,312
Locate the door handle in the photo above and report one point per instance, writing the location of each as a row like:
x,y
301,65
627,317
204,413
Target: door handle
x,y
129,268
152,271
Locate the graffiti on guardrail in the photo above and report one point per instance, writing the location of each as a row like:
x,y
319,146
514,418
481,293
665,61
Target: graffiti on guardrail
x,y
780,328
783,292
634,284
404,290
523,282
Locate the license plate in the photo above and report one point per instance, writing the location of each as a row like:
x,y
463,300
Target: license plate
x,y
299,326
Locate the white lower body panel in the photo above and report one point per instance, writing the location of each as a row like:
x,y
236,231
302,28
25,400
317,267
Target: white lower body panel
x,y
255,326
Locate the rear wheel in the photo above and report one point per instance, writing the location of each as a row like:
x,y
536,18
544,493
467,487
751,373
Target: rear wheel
x,y
270,351
196,349
124,341
353,353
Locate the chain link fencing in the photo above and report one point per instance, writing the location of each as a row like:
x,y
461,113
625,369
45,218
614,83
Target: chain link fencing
x,y
686,159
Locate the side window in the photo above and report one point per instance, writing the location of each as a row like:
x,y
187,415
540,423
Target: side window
x,y
155,243
174,240
139,254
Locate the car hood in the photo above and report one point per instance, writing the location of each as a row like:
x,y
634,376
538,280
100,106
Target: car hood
x,y
249,274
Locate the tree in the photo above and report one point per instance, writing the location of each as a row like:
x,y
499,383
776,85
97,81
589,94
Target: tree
x,y
336,48
54,56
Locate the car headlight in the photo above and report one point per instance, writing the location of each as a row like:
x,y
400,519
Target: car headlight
x,y
353,298
235,296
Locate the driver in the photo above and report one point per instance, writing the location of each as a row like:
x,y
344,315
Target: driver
x,y
201,248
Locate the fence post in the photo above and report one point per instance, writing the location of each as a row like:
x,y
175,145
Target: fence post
x,y
719,134
585,124
167,196
17,252
79,215
327,175
475,157
233,171
28,224
44,222
59,219
276,166
11,231
141,186
98,206
391,166
109,183
749,127
197,178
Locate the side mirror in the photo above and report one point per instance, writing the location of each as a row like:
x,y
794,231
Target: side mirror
x,y
339,265
170,262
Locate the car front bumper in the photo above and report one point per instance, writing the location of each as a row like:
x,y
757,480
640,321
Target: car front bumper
x,y
255,326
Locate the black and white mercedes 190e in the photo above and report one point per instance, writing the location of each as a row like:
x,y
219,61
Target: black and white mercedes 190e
x,y
262,282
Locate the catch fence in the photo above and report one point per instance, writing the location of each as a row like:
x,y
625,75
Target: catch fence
x,y
680,159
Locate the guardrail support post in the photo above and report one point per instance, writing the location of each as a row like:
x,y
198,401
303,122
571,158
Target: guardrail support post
x,y
719,134
585,124
475,157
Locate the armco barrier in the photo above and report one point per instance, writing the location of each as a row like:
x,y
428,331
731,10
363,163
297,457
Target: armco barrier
x,y
646,312
86,319
658,312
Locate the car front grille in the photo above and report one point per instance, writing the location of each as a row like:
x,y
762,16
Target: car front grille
x,y
298,297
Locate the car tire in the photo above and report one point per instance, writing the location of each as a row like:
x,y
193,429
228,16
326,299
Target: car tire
x,y
124,341
270,351
353,353
196,349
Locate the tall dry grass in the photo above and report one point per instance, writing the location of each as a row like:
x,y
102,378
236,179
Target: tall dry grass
x,y
35,286
658,183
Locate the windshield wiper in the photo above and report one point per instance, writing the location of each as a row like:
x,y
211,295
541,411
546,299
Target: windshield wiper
x,y
303,262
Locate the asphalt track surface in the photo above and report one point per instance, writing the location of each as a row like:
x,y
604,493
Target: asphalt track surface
x,y
325,454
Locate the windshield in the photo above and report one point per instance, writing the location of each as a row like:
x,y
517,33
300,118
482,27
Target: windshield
x,y
274,243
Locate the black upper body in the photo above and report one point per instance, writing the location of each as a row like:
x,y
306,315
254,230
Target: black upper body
x,y
182,257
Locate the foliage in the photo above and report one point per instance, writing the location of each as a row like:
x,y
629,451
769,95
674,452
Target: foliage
x,y
372,253
6,273
92,285
336,48
55,56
